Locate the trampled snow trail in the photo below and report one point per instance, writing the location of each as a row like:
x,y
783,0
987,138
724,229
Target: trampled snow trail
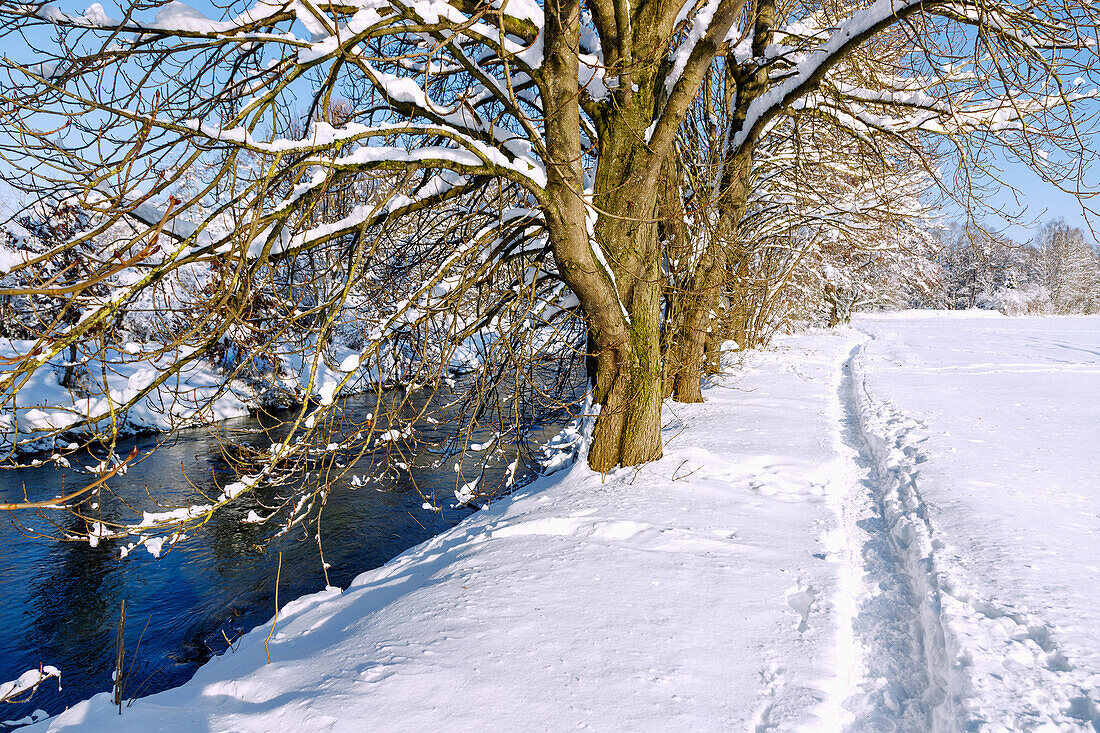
x,y
904,685
936,655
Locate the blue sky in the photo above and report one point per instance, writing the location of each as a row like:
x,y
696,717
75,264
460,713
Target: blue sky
x,y
1036,200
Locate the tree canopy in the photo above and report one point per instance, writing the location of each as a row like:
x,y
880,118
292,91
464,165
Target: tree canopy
x,y
277,203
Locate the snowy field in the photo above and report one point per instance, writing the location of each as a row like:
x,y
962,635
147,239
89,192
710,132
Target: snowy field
x,y
894,527
990,430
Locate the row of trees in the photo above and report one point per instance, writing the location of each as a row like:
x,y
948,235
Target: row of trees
x,y
1058,272
623,185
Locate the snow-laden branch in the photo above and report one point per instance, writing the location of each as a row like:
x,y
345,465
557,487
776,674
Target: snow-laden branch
x,y
849,34
28,681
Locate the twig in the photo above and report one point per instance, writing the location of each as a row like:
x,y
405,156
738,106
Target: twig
x,y
120,655
56,503
276,619
686,475
133,660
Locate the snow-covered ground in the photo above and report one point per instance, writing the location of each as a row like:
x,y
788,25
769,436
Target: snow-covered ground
x,y
988,428
894,527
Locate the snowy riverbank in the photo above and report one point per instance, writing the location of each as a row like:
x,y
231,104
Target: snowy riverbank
x,y
785,565
202,393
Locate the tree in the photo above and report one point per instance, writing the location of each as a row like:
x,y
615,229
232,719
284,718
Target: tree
x,y
556,130
1067,268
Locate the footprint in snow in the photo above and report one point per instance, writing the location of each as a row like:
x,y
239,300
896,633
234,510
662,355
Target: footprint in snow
x,y
801,600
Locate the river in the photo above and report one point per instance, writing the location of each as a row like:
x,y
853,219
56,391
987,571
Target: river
x,y
62,599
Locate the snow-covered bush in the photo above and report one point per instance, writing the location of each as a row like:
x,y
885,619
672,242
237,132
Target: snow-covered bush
x,y
1029,301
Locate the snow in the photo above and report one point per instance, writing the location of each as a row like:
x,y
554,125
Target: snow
x,y
96,16
42,406
826,54
27,681
700,24
201,393
98,531
10,259
179,16
471,352
154,545
891,527
994,424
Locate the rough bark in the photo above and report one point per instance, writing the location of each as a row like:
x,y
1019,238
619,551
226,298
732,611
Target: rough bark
x,y
695,306
629,390
620,300
617,277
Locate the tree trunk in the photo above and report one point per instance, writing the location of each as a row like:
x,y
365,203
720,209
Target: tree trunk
x,y
620,292
832,301
675,240
617,277
712,352
628,382
693,316
694,324
69,378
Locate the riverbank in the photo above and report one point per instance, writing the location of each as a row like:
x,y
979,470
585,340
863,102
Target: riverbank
x,y
693,591
37,418
809,554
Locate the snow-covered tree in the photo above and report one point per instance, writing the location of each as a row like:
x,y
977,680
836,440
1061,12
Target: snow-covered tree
x,y
976,264
548,131
1056,272
1067,268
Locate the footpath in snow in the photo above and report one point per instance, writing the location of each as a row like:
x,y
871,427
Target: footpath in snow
x,y
894,527
984,437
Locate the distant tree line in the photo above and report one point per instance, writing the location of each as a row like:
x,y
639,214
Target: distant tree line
x,y
1056,272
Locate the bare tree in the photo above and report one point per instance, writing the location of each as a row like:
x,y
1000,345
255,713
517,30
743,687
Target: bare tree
x,y
441,170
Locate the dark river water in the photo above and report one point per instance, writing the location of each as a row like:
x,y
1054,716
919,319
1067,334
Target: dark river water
x,y
61,600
